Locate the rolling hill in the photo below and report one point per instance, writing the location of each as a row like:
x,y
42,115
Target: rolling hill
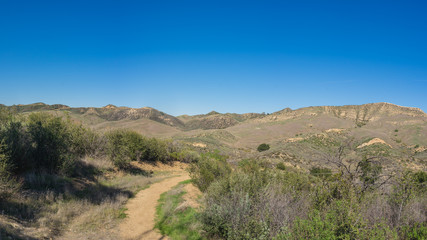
x,y
298,136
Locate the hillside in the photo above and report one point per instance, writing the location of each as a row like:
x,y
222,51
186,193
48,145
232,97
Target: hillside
x,y
288,131
94,186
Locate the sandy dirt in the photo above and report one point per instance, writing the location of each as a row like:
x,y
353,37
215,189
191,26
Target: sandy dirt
x,y
142,209
374,141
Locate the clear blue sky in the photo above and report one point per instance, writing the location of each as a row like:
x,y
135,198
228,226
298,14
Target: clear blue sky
x,y
230,56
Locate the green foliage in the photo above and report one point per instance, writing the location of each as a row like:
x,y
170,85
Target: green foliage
x,y
121,214
254,202
361,123
415,232
85,141
186,156
175,221
51,140
375,150
396,130
370,173
42,142
313,228
281,166
323,173
321,141
124,146
260,201
5,165
210,167
17,142
263,147
7,183
420,178
156,150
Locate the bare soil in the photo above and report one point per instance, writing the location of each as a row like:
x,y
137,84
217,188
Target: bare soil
x,y
141,210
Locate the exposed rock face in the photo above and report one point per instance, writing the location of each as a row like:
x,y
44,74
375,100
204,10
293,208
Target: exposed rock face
x,y
374,141
359,113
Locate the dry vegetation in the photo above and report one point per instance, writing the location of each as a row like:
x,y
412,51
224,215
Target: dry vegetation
x,y
61,180
351,172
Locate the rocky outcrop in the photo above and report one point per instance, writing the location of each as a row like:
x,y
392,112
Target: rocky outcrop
x,y
359,113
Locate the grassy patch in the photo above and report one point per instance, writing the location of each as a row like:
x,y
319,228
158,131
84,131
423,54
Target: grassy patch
x,y
175,218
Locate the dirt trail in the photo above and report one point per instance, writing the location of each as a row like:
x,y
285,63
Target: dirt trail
x,y
142,209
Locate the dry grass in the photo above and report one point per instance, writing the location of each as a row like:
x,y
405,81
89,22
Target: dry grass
x,y
87,207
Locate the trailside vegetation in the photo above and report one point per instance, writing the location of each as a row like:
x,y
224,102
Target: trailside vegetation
x,y
56,174
258,200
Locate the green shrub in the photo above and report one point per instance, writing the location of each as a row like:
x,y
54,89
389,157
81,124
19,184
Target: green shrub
x,y
210,167
52,143
5,164
156,150
321,172
415,232
263,147
281,166
369,173
16,142
85,141
43,142
124,146
186,156
313,228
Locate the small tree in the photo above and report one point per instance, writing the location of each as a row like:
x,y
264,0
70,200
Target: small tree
x,y
263,147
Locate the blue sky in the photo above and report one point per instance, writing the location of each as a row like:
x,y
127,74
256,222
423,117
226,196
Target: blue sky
x,y
190,57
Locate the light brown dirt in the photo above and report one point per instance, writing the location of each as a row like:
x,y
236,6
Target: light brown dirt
x,y
191,196
142,209
374,141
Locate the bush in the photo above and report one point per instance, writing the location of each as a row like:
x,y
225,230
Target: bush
x,y
123,146
186,156
417,231
263,147
86,142
51,139
16,142
321,172
156,150
255,201
210,167
281,166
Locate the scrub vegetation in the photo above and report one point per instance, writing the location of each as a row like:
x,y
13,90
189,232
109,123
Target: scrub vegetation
x,y
256,200
57,175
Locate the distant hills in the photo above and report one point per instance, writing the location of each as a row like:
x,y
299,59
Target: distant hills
x,y
360,114
297,137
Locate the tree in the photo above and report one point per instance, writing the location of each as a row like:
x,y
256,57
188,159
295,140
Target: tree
x,y
263,147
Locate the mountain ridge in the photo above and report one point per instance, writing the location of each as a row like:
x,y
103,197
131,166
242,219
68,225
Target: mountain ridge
x,y
360,114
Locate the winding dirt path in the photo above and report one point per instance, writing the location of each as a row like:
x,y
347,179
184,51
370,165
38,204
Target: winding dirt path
x,y
142,210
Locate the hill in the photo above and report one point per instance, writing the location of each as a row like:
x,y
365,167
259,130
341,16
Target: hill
x,y
297,135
